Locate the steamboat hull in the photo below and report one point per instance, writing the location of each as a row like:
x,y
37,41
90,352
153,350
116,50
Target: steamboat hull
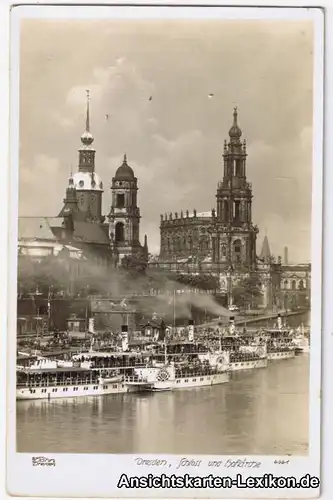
x,y
275,356
59,392
190,382
248,365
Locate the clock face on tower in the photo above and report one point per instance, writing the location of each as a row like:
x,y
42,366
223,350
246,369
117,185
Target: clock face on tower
x,y
86,158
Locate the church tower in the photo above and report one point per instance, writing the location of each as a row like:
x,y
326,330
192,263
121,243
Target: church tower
x,y
124,217
87,184
234,203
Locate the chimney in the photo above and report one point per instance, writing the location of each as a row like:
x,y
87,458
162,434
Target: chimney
x,y
285,255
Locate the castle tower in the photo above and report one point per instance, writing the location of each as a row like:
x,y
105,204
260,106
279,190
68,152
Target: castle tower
x,y
234,204
88,185
124,217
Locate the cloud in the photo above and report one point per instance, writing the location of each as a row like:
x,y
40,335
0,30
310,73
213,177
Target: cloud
x,y
36,183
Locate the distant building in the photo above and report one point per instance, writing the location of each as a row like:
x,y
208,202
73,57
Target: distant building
x,y
154,329
110,315
37,315
295,285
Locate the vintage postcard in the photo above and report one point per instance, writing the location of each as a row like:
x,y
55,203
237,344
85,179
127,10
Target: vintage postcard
x,y
165,249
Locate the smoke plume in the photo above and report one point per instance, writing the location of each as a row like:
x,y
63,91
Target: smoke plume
x,y
166,296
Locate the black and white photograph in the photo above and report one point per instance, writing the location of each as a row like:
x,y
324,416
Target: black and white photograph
x,y
166,300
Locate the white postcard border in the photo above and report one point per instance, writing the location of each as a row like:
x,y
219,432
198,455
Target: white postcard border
x,y
81,476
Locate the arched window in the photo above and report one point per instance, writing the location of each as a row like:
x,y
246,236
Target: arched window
x,y
293,285
301,285
120,200
238,250
285,283
120,231
238,168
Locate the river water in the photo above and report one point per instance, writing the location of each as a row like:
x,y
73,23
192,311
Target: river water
x,y
262,411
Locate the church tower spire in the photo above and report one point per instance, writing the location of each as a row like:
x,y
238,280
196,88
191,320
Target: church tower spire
x,y
235,132
265,253
234,200
85,185
88,113
87,152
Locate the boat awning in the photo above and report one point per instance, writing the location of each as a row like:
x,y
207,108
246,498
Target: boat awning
x,y
96,354
69,369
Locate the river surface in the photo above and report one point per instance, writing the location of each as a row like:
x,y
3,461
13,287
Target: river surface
x,y
263,411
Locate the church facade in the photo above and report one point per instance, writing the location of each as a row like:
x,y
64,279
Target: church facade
x,y
226,235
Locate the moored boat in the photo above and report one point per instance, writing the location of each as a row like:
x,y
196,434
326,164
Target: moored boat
x,y
240,352
301,341
86,374
175,376
279,346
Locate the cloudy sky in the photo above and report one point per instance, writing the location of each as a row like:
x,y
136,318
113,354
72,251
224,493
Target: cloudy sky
x,y
174,142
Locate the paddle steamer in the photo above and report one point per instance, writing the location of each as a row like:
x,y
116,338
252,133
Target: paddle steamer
x,y
163,367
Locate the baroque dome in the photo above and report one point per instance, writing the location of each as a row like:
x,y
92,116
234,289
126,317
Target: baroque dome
x,y
124,172
86,181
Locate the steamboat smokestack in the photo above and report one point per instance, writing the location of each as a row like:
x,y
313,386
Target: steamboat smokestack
x,y
91,325
124,337
191,330
232,327
279,322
